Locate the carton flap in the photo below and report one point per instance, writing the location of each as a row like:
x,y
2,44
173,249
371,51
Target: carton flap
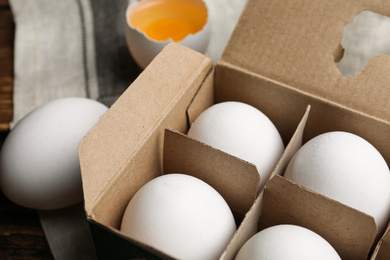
x,y
297,42
125,127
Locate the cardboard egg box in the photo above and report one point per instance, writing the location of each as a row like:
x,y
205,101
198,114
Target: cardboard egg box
x,y
143,135
281,59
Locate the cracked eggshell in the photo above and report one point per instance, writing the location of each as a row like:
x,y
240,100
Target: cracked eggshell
x,y
180,215
39,158
346,168
242,131
144,49
287,242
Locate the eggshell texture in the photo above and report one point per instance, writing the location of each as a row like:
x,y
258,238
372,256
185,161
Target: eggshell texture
x,y
39,158
346,168
242,131
180,215
287,242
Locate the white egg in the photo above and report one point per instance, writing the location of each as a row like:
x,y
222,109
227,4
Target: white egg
x,y
180,215
170,16
242,131
39,157
346,168
287,242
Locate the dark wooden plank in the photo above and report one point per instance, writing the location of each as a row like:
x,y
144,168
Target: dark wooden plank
x,y
4,3
21,235
7,33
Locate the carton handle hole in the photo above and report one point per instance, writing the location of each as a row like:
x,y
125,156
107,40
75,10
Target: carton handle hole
x,y
367,36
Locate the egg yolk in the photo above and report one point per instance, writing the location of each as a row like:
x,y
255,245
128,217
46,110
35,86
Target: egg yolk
x,y
164,19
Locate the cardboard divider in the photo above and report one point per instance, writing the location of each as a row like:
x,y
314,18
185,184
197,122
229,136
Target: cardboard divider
x,y
349,231
293,146
236,180
248,228
382,250
250,224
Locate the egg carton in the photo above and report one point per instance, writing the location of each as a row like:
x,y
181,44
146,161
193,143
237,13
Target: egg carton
x,y
284,67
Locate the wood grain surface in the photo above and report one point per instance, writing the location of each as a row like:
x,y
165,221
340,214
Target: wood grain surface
x,y
7,29
21,234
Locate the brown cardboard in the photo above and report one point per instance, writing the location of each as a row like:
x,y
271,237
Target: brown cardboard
x,y
140,144
349,231
383,248
122,151
250,224
296,43
289,48
248,227
280,59
203,99
236,180
293,59
154,156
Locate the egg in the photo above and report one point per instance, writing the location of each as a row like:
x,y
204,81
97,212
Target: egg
x,y
346,168
243,131
39,163
180,215
287,242
152,24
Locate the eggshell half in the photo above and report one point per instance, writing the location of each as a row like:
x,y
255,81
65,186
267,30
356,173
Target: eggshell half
x,y
144,49
39,158
180,215
242,131
346,168
287,242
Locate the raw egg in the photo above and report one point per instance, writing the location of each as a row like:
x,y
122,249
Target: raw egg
x,y
181,216
243,131
287,242
152,24
345,167
39,157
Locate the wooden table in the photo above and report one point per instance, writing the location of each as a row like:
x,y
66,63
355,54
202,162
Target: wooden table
x,y
21,235
6,65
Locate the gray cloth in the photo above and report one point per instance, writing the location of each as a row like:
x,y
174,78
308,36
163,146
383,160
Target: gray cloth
x,y
67,232
77,48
